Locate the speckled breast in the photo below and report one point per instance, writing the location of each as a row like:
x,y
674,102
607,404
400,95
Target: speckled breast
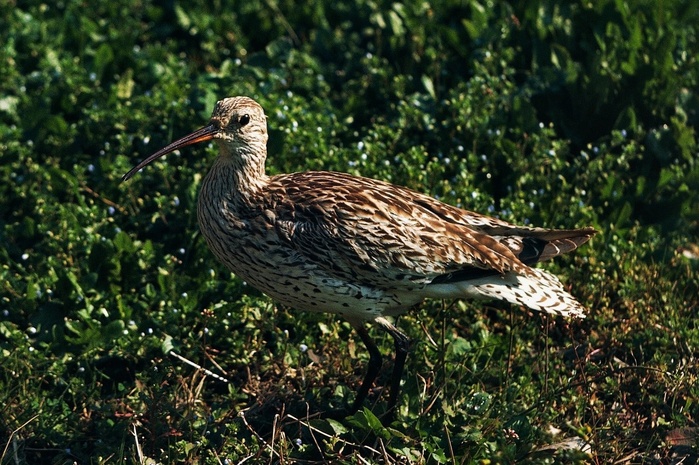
x,y
249,245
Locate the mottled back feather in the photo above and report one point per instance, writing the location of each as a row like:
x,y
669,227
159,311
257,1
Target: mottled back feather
x,y
372,226
382,231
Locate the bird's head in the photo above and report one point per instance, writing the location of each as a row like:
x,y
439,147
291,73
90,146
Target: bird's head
x,y
236,123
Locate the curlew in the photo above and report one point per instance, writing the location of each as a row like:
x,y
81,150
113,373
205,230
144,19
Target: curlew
x,y
361,248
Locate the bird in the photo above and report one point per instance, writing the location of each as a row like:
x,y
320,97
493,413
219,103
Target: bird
x,y
361,248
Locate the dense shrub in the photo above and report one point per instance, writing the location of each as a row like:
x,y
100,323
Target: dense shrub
x,y
538,112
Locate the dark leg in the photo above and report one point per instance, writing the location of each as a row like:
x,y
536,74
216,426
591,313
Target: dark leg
x,y
402,344
372,369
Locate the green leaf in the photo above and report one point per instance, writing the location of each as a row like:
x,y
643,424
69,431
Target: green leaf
x,y
337,427
113,330
183,18
429,86
375,424
125,85
103,58
166,346
476,26
396,22
623,215
123,243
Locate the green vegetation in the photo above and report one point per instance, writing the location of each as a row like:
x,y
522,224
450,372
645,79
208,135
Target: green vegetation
x,y
558,114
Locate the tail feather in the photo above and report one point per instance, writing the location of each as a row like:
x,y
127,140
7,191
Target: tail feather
x,y
563,245
537,245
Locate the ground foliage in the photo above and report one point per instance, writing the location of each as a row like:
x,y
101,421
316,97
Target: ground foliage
x,y
549,113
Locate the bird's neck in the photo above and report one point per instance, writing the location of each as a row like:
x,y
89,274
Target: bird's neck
x,y
243,169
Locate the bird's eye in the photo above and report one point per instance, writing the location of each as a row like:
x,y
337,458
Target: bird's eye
x,y
245,119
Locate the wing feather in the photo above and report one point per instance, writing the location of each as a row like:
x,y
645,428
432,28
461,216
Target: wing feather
x,y
384,234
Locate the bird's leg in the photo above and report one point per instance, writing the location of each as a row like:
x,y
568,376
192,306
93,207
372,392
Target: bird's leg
x,y
402,344
372,369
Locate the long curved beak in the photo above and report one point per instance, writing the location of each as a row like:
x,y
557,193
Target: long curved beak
x,y
200,135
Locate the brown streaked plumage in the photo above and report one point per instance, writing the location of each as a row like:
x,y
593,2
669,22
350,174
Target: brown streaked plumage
x,y
358,247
